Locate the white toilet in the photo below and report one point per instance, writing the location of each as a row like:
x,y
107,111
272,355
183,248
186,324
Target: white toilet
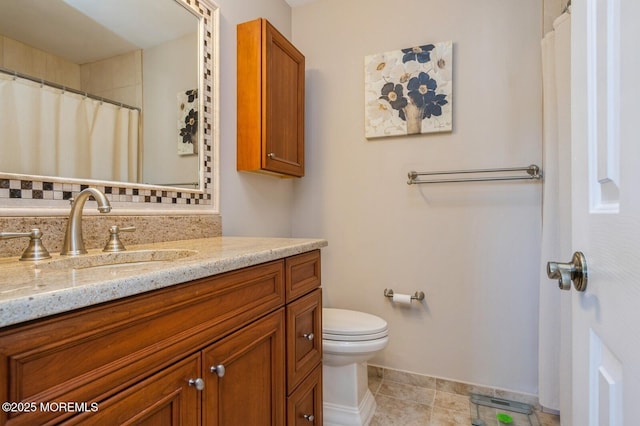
x,y
349,339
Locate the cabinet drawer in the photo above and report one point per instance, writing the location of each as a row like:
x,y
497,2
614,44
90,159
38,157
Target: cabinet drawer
x,y
304,337
93,353
304,406
303,274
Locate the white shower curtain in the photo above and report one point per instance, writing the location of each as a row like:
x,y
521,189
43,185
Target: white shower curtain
x,y
45,131
554,319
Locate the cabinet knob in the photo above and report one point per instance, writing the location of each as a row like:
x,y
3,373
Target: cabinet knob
x,y
309,417
218,369
271,155
308,336
197,383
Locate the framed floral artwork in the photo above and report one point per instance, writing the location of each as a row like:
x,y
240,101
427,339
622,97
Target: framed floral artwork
x,y
188,122
409,91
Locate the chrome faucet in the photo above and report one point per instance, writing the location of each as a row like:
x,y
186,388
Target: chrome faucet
x,y
73,243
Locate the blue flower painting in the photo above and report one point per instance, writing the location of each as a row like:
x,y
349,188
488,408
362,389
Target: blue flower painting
x,y
409,91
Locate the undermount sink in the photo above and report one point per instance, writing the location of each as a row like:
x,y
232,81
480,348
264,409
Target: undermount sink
x,y
119,259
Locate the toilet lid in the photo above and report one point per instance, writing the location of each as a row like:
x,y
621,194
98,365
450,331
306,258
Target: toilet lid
x,y
343,324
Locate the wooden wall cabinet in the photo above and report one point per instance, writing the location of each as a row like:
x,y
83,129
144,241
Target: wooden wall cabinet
x,y
214,351
270,104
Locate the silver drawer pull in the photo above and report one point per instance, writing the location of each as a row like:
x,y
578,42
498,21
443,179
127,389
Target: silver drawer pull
x,y
197,383
218,369
309,417
308,336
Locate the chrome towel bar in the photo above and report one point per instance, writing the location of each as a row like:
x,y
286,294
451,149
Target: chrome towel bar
x,y
533,172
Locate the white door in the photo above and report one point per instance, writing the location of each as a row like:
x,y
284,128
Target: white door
x,y
606,211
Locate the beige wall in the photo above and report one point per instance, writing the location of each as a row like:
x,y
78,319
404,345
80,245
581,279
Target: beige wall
x,y
118,78
251,204
552,9
170,68
472,248
23,58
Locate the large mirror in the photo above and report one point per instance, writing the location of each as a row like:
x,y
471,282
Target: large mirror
x,y
108,91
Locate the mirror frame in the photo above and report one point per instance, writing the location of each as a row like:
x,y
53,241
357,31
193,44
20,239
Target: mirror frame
x,y
28,191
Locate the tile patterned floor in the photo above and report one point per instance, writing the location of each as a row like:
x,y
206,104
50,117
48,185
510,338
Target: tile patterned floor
x,y
412,400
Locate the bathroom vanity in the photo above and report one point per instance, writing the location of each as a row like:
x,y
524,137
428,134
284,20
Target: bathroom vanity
x,y
227,333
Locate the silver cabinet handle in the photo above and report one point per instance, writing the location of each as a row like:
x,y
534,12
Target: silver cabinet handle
x,y
218,369
565,273
309,417
197,383
271,155
308,336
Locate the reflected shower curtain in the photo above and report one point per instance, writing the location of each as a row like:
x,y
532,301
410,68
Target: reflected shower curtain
x,y
45,131
554,345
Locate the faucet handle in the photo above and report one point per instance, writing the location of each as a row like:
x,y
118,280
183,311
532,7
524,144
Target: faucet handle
x,y
114,244
35,250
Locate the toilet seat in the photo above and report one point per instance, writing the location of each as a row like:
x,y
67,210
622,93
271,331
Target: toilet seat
x,y
347,325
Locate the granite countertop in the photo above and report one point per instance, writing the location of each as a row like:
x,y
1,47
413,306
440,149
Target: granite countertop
x,y
30,290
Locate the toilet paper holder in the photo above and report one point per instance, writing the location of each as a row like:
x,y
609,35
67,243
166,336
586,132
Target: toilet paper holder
x,y
418,295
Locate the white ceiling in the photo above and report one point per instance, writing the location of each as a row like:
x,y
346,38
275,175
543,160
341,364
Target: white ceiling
x,y
84,31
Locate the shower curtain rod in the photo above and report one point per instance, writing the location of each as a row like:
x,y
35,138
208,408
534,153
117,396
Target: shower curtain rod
x,y
17,74
533,173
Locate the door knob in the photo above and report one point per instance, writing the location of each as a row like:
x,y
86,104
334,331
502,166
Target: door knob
x,y
565,273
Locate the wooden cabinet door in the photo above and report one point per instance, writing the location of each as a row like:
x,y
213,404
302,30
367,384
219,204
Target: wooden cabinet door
x,y
271,87
164,399
247,385
284,93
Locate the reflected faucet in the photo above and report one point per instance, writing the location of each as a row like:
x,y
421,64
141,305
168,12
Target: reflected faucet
x,y
73,243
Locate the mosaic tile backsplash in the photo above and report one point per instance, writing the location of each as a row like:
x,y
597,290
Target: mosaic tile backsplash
x,y
43,190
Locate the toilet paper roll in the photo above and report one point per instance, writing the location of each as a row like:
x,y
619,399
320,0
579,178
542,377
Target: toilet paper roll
x,y
404,299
